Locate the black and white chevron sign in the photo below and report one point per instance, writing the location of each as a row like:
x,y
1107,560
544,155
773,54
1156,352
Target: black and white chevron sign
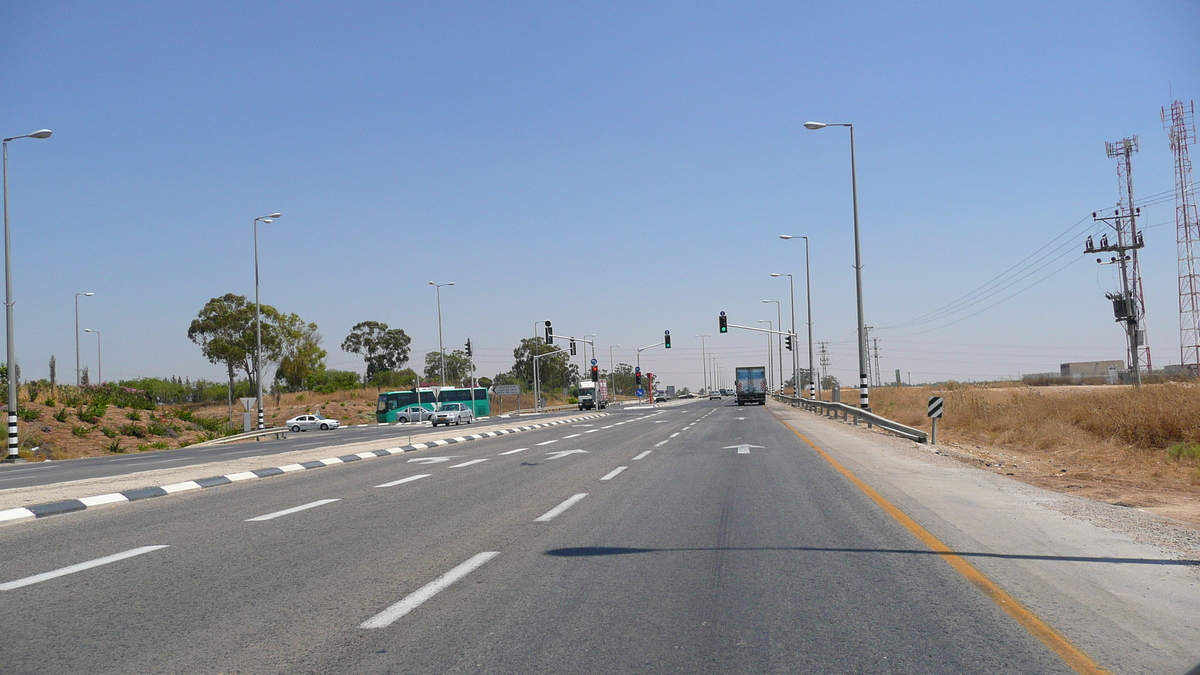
x,y
935,406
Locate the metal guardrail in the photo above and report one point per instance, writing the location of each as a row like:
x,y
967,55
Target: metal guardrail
x,y
277,432
845,412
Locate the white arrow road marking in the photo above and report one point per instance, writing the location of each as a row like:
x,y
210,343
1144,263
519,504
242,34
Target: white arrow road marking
x,y
743,449
294,509
414,599
641,455
514,451
406,480
549,515
432,460
473,461
44,576
564,453
613,474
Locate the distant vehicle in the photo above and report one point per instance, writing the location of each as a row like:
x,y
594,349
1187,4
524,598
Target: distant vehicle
x,y
670,391
687,395
714,395
592,395
660,397
726,392
413,413
451,413
307,422
751,383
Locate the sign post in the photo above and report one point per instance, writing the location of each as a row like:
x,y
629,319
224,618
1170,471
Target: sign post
x,y
248,404
935,411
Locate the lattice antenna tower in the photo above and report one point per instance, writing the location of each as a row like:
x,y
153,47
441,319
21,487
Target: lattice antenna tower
x,y
1180,125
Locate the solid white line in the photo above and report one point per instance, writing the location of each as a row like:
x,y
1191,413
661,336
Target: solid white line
x,y
414,599
613,474
292,510
662,442
549,515
474,461
44,576
16,514
642,455
510,452
572,436
548,442
406,480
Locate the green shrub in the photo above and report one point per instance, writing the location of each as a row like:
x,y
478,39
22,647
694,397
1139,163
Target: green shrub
x,y
29,414
157,445
134,415
114,446
93,412
61,415
210,424
135,430
82,431
185,415
110,432
1184,450
50,402
158,429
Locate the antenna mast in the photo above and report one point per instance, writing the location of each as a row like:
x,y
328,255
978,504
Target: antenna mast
x,y
1180,126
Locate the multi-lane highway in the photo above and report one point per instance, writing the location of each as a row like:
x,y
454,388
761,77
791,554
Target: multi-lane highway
x,y
699,538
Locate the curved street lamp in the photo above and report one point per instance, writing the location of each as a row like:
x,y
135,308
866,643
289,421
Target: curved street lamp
x,y
77,334
99,366
441,349
812,391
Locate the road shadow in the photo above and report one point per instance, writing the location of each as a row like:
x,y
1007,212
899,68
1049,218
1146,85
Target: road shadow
x,y
588,551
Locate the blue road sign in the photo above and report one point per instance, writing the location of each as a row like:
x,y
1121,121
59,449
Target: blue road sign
x,y
593,362
640,393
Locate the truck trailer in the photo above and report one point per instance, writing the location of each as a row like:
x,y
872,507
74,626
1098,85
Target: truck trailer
x,y
751,385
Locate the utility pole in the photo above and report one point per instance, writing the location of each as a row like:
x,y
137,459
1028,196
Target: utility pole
x,y
1180,125
824,360
878,372
867,354
1129,306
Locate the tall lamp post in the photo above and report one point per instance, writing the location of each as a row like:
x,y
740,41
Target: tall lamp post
x,y
770,336
258,320
812,389
441,349
795,361
704,360
612,375
778,343
863,397
99,363
77,381
13,441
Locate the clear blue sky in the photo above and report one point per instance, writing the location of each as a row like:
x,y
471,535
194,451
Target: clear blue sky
x,y
620,168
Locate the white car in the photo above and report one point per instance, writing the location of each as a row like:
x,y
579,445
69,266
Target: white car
x,y
452,413
413,413
306,422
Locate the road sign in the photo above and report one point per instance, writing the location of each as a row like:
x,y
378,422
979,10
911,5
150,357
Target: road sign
x,y
593,362
507,389
935,406
640,393
248,402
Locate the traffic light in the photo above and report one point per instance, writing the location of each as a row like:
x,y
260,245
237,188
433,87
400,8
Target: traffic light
x,y
572,348
788,343
595,374
638,376
469,353
549,334
724,323
667,339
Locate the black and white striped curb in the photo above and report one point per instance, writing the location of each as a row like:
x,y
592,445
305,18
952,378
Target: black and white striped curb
x,y
71,505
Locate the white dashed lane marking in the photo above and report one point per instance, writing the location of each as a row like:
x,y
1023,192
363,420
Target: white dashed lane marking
x,y
405,480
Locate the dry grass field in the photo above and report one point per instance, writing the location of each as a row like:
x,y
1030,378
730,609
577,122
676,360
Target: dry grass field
x,y
1123,445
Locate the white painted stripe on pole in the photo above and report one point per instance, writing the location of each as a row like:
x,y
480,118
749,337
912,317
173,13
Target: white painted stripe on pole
x,y
294,509
641,455
613,474
101,500
288,468
548,442
44,576
405,480
245,475
181,487
416,598
473,461
549,515
511,452
16,514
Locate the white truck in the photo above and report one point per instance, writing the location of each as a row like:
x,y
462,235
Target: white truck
x,y
751,384
593,395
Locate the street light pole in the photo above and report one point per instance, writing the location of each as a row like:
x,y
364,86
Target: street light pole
x,y
863,392
258,321
812,393
77,381
612,375
770,361
99,363
441,349
795,361
778,342
13,441
704,360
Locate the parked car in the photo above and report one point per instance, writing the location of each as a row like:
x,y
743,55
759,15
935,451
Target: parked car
x,y
306,422
452,413
413,413
714,395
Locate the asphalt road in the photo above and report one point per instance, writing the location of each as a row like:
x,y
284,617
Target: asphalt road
x,y
685,554
45,473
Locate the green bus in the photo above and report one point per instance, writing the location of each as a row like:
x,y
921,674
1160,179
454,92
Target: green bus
x,y
392,402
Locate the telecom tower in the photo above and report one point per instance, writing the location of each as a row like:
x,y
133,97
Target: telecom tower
x,y
1180,125
824,359
1129,306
